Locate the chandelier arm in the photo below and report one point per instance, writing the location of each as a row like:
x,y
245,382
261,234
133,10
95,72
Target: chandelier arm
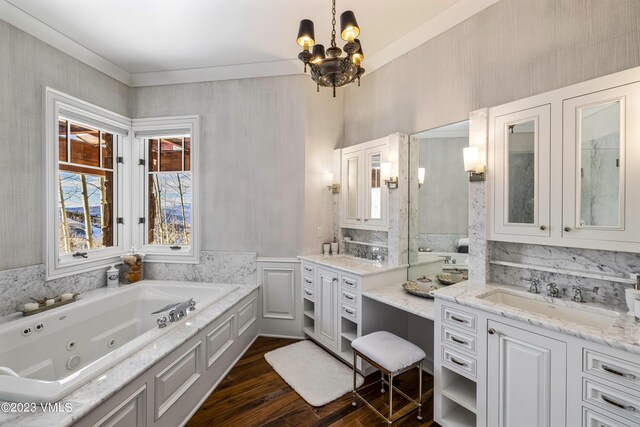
x,y
333,23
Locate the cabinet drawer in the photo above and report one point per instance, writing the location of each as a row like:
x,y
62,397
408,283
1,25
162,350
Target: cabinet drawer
x,y
308,282
611,368
349,283
349,297
593,419
619,402
458,340
459,318
349,312
308,293
308,269
458,362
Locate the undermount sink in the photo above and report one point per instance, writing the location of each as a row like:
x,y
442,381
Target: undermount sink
x,y
594,317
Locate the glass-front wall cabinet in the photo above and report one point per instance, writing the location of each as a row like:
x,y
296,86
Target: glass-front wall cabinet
x,y
364,194
522,172
600,138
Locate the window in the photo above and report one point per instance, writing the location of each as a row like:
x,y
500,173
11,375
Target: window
x,y
85,200
167,194
109,186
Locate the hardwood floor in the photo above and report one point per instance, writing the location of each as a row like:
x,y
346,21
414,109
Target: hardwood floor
x,y
253,394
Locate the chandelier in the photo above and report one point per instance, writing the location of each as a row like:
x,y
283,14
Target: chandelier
x,y
330,68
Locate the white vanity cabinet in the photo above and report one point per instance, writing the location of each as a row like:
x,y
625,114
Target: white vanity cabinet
x,y
364,193
332,303
492,371
563,166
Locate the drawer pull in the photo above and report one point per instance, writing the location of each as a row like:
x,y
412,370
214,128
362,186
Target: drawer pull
x,y
308,292
308,268
616,404
618,373
459,341
351,312
457,319
457,362
349,282
349,297
308,281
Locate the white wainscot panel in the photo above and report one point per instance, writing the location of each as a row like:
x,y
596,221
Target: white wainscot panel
x,y
278,293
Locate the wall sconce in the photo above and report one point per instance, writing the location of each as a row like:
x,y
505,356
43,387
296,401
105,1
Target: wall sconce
x,y
333,186
390,181
421,172
472,164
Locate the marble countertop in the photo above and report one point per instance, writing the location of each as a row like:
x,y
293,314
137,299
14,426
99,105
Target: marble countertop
x,y
350,264
395,296
624,334
98,390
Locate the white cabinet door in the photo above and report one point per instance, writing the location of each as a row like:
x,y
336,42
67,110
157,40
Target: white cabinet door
x,y
526,378
352,186
601,165
521,146
326,308
376,192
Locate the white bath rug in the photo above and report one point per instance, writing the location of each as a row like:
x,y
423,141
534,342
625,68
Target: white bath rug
x,y
314,374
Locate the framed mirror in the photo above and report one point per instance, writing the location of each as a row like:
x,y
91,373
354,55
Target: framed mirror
x,y
438,201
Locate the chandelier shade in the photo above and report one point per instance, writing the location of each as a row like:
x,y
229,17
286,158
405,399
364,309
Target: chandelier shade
x,y
349,29
329,68
306,34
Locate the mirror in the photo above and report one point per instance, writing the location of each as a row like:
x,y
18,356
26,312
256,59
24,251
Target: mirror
x,y
438,208
375,190
352,187
599,172
521,145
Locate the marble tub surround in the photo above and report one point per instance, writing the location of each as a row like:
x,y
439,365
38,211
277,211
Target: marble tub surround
x,y
91,395
624,334
214,267
395,296
19,285
351,264
590,261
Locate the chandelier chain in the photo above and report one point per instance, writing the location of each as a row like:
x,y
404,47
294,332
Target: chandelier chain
x,y
333,23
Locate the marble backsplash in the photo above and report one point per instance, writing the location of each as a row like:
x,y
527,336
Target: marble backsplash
x,y
609,263
439,242
18,285
366,236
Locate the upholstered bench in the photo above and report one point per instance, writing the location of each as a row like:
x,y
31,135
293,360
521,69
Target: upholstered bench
x,y
392,356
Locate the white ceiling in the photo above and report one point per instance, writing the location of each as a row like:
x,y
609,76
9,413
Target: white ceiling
x,y
164,36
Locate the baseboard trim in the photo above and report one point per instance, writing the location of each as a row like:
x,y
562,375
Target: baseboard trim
x,y
217,383
293,337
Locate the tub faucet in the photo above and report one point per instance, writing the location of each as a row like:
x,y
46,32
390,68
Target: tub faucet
x,y
178,311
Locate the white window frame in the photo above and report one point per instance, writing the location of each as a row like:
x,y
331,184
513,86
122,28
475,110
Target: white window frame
x,y
58,104
148,128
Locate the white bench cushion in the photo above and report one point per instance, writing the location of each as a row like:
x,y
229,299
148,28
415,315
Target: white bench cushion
x,y
388,350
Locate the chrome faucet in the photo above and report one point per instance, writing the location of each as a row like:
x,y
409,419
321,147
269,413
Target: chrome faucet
x,y
578,290
533,287
178,311
553,291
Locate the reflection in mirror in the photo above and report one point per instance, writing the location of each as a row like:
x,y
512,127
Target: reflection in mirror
x,y
600,165
521,142
438,209
352,187
375,206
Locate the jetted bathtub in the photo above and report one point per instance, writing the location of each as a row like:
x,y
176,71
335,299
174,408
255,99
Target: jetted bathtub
x,y
57,351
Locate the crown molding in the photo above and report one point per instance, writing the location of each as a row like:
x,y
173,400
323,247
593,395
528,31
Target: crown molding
x,y
447,19
38,29
226,72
